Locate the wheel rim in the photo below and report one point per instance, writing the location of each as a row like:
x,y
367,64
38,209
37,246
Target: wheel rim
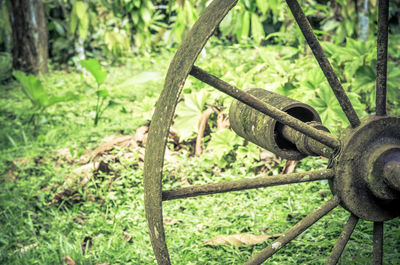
x,y
183,64
177,73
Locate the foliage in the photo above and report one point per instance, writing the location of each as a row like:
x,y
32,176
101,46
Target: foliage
x,y
246,19
139,19
36,93
79,20
5,66
5,27
189,113
94,68
182,16
104,221
222,143
116,28
357,59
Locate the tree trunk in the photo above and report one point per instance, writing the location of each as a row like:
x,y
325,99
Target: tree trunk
x,y
30,36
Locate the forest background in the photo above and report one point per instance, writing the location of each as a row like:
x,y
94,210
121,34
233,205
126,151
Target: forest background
x,y
79,80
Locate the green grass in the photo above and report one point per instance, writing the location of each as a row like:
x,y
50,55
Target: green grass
x,y
109,218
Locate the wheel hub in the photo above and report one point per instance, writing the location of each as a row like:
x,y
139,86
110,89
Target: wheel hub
x,y
367,169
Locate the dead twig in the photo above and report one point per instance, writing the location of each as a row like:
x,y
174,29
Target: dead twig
x,y
202,127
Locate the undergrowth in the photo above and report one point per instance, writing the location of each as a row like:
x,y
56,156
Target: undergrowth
x,y
51,208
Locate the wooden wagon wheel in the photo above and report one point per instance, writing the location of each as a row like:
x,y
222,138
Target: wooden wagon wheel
x,y
364,171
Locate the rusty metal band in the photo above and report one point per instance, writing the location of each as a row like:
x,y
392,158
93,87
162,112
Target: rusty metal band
x,y
326,67
162,118
378,243
245,184
344,237
293,232
281,116
381,64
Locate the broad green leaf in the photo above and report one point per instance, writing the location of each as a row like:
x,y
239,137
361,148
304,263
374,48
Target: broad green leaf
x,y
257,30
222,142
262,6
80,9
94,67
364,78
250,150
33,89
137,3
188,114
226,24
245,26
69,96
83,27
79,19
145,14
144,109
103,93
73,22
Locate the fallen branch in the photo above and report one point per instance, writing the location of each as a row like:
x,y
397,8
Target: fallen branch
x,y
202,127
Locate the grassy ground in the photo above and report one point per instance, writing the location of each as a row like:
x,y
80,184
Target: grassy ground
x,y
51,208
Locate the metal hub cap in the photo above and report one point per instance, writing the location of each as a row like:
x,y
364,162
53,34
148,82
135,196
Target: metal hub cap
x,y
366,167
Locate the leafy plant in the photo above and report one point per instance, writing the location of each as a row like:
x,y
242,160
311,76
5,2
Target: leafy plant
x,y
183,15
244,21
79,20
5,66
94,68
34,90
189,113
117,42
141,19
222,143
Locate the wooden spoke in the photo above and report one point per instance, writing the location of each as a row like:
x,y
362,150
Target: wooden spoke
x,y
245,184
326,67
381,64
293,232
342,240
378,243
281,116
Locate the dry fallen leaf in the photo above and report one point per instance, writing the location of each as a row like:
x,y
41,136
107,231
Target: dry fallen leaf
x,y
86,169
79,220
27,248
184,182
170,156
127,237
289,167
69,261
125,140
170,221
200,227
140,134
17,164
267,155
173,134
222,122
239,240
64,154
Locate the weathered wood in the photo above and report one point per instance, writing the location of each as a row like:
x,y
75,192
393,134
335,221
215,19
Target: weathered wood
x,y
245,184
30,36
162,118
